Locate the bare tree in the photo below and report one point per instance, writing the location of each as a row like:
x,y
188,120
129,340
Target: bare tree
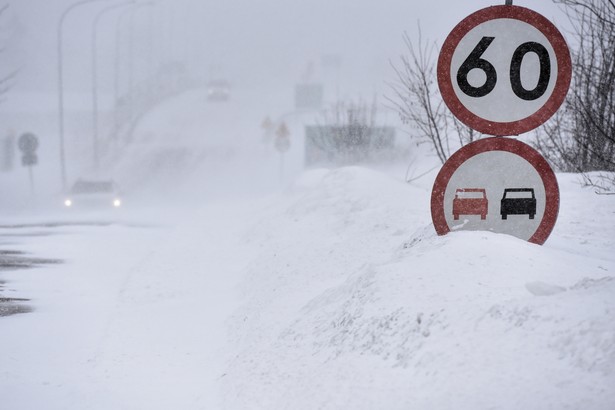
x,y
349,134
419,103
351,124
581,137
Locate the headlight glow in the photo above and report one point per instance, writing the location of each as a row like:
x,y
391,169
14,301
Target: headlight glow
x,y
68,202
117,203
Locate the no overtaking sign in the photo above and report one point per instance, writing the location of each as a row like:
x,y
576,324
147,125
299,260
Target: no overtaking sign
x,y
496,184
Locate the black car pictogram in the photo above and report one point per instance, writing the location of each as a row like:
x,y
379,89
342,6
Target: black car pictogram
x,y
518,201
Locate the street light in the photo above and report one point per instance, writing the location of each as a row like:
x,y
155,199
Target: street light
x,y
60,29
131,63
116,70
97,19
116,65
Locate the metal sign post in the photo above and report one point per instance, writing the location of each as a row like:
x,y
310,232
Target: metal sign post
x,y
28,143
282,144
31,177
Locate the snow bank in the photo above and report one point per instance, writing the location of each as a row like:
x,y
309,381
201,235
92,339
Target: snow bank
x,y
354,302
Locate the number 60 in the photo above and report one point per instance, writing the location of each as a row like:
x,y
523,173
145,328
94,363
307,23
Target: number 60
x,y
474,61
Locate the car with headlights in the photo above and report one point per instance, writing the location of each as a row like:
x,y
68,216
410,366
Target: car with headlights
x,y
88,193
470,201
218,90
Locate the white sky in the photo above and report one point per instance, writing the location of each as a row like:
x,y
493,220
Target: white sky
x,y
266,43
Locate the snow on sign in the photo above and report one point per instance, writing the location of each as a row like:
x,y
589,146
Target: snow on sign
x,y
504,70
496,184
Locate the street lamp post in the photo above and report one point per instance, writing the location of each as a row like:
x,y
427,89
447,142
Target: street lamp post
x,y
116,75
116,65
60,50
101,13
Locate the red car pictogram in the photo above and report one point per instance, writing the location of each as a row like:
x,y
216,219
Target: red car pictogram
x,y
470,201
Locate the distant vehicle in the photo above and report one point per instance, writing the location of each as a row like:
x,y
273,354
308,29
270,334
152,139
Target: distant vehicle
x,y
218,90
470,201
93,193
518,201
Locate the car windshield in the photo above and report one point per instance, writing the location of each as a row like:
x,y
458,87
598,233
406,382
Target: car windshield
x,y
92,187
470,194
519,194
218,85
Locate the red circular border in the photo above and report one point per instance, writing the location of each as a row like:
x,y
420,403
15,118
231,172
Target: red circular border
x,y
498,144
564,70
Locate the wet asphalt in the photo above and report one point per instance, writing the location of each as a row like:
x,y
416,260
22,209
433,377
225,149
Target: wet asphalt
x,y
14,260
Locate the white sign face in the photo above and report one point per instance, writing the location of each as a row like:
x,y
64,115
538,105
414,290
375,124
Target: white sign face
x,y
510,171
504,70
501,54
498,185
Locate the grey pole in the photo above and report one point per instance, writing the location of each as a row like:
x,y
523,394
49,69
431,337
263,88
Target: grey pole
x,y
116,64
116,70
101,13
31,179
508,3
60,50
131,46
150,45
116,78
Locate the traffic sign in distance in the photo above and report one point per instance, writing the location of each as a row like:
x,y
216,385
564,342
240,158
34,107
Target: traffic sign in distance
x,y
282,142
504,70
29,159
282,130
496,184
27,143
267,124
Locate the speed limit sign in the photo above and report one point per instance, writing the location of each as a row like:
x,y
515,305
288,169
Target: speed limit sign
x,y
504,70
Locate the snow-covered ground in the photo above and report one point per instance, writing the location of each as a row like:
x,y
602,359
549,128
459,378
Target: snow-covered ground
x,y
332,292
355,302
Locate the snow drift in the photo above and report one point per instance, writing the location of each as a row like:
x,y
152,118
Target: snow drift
x,y
354,302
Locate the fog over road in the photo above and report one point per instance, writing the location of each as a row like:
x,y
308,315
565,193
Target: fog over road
x,y
134,315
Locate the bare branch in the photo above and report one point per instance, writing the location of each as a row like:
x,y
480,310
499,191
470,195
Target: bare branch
x,y
418,100
581,137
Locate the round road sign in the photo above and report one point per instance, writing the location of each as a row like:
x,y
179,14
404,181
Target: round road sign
x,y
496,184
28,143
504,70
